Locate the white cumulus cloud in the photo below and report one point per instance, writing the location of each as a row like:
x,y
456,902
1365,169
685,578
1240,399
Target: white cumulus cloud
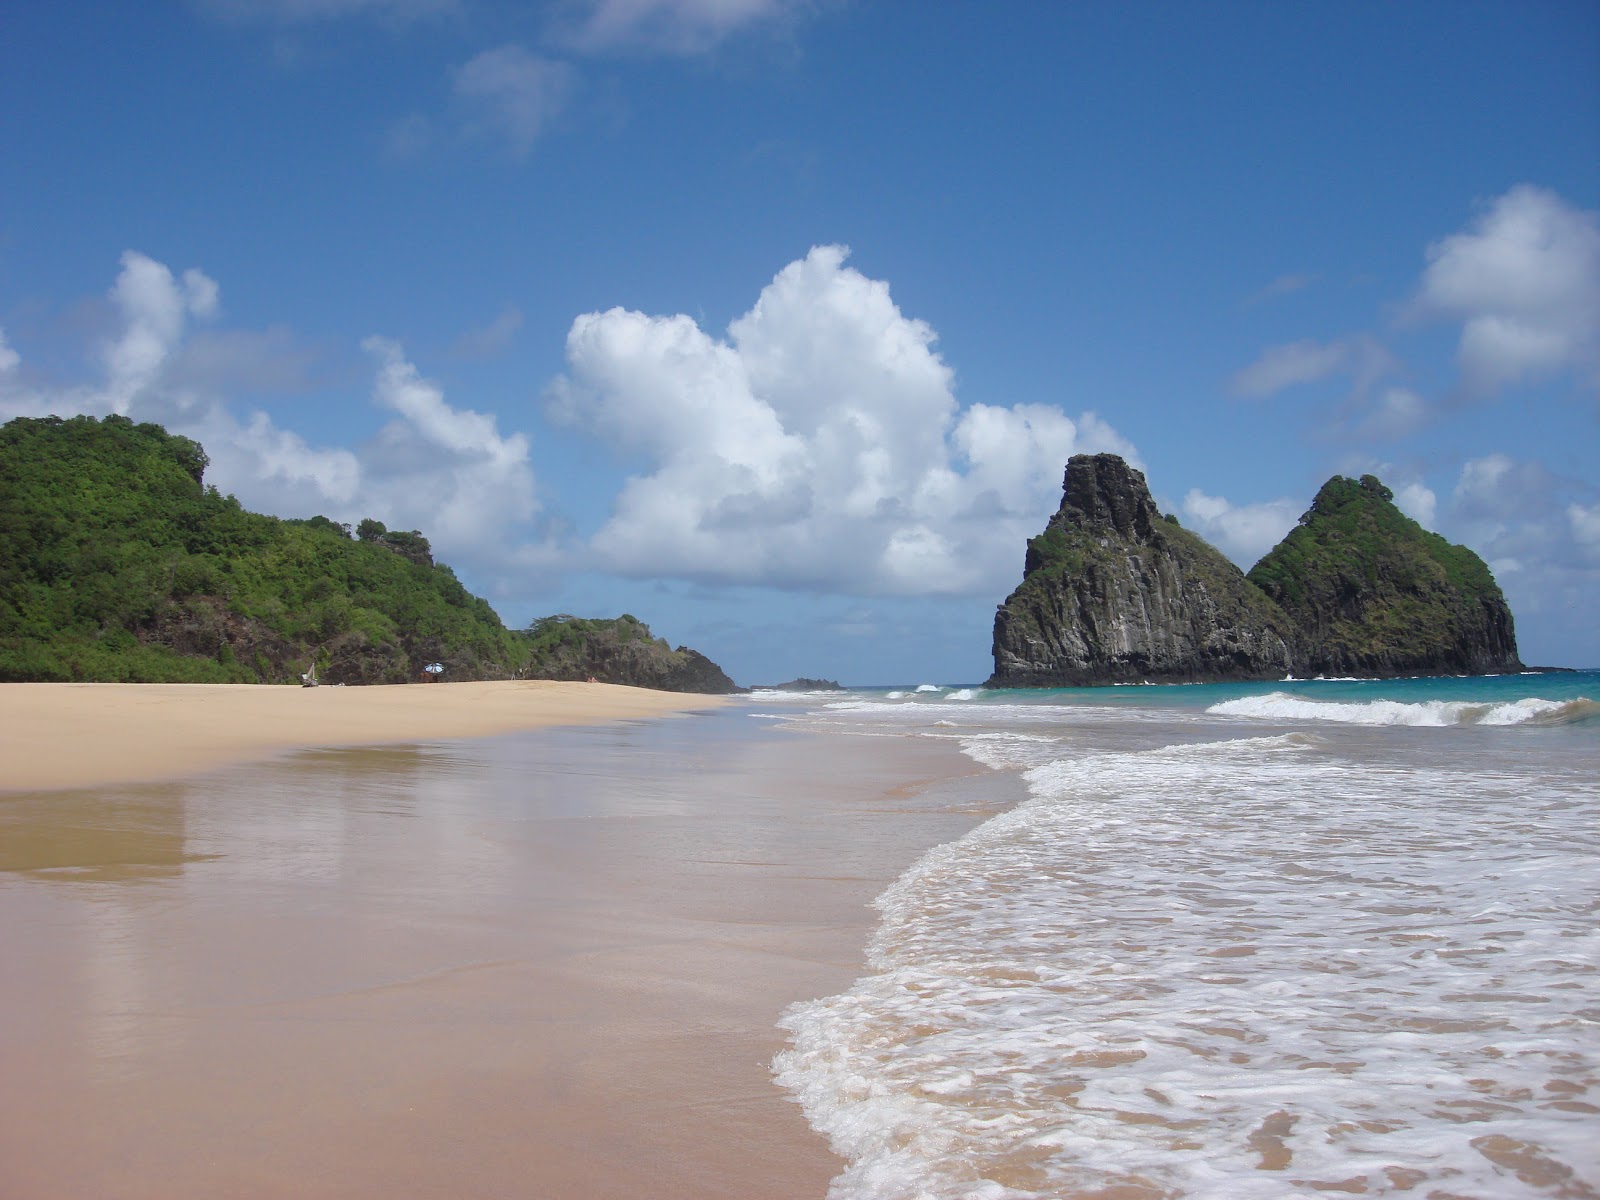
x,y
818,446
444,470
1243,532
1418,502
1525,282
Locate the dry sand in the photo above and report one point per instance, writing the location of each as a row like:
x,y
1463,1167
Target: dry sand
x,y
541,965
59,735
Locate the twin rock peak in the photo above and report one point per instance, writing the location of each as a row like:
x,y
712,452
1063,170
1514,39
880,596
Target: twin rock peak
x,y
1115,592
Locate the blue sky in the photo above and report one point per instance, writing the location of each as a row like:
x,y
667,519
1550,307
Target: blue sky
x,y
773,322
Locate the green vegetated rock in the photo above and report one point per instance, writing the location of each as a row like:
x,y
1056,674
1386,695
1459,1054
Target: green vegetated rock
x,y
117,564
618,650
1372,593
1114,592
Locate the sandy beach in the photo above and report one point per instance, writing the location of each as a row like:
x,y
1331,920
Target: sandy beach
x,y
547,963
56,735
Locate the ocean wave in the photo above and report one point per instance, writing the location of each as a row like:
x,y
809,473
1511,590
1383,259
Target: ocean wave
x,y
1281,706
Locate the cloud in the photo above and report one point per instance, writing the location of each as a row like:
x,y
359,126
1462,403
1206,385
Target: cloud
x,y
1243,532
444,469
1283,285
819,446
513,94
225,360
1396,413
1418,502
408,138
155,308
1360,356
680,27
434,467
1525,282
492,338
1537,531
1584,521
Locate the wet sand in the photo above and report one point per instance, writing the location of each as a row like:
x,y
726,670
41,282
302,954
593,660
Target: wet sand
x,y
80,734
545,964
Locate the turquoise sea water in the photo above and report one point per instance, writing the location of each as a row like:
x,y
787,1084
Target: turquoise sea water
x,y
1273,940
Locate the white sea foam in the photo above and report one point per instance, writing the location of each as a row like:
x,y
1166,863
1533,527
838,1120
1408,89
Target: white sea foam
x,y
929,687
962,694
1245,970
1008,751
1281,706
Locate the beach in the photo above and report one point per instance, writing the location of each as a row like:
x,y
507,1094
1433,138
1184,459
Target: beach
x,y
1210,942
430,962
55,735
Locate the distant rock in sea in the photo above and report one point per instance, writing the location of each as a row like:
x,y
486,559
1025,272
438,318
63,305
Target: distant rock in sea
x,y
803,684
1113,592
1372,593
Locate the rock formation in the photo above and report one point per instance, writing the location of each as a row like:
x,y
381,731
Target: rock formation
x,y
618,650
1113,592
1372,593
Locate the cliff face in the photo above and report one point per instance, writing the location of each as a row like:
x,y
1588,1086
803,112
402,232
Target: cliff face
x,y
1372,593
1112,592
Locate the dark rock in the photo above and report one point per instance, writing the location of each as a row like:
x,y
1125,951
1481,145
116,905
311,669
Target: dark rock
x,y
1114,593
802,684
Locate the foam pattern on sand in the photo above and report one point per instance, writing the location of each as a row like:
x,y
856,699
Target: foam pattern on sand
x,y
1243,970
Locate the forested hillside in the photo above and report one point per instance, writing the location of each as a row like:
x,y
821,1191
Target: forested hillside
x,y
117,563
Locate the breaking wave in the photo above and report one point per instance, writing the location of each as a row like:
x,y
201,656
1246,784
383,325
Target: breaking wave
x,y
1281,706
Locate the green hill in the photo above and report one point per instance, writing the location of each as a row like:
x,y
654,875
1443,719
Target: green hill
x,y
117,563
1371,592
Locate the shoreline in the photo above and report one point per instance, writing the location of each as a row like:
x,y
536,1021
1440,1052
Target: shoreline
x,y
68,735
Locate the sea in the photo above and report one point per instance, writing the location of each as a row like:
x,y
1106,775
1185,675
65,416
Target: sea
x,y
1238,942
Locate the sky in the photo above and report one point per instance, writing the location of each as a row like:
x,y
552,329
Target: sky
x,y
774,322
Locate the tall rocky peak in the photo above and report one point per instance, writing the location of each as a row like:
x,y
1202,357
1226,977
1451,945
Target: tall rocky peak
x,y
1102,489
1373,593
1112,592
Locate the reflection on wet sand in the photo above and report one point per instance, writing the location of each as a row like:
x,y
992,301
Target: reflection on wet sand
x,y
546,964
131,833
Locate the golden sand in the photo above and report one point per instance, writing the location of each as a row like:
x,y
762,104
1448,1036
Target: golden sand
x,y
62,735
545,967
